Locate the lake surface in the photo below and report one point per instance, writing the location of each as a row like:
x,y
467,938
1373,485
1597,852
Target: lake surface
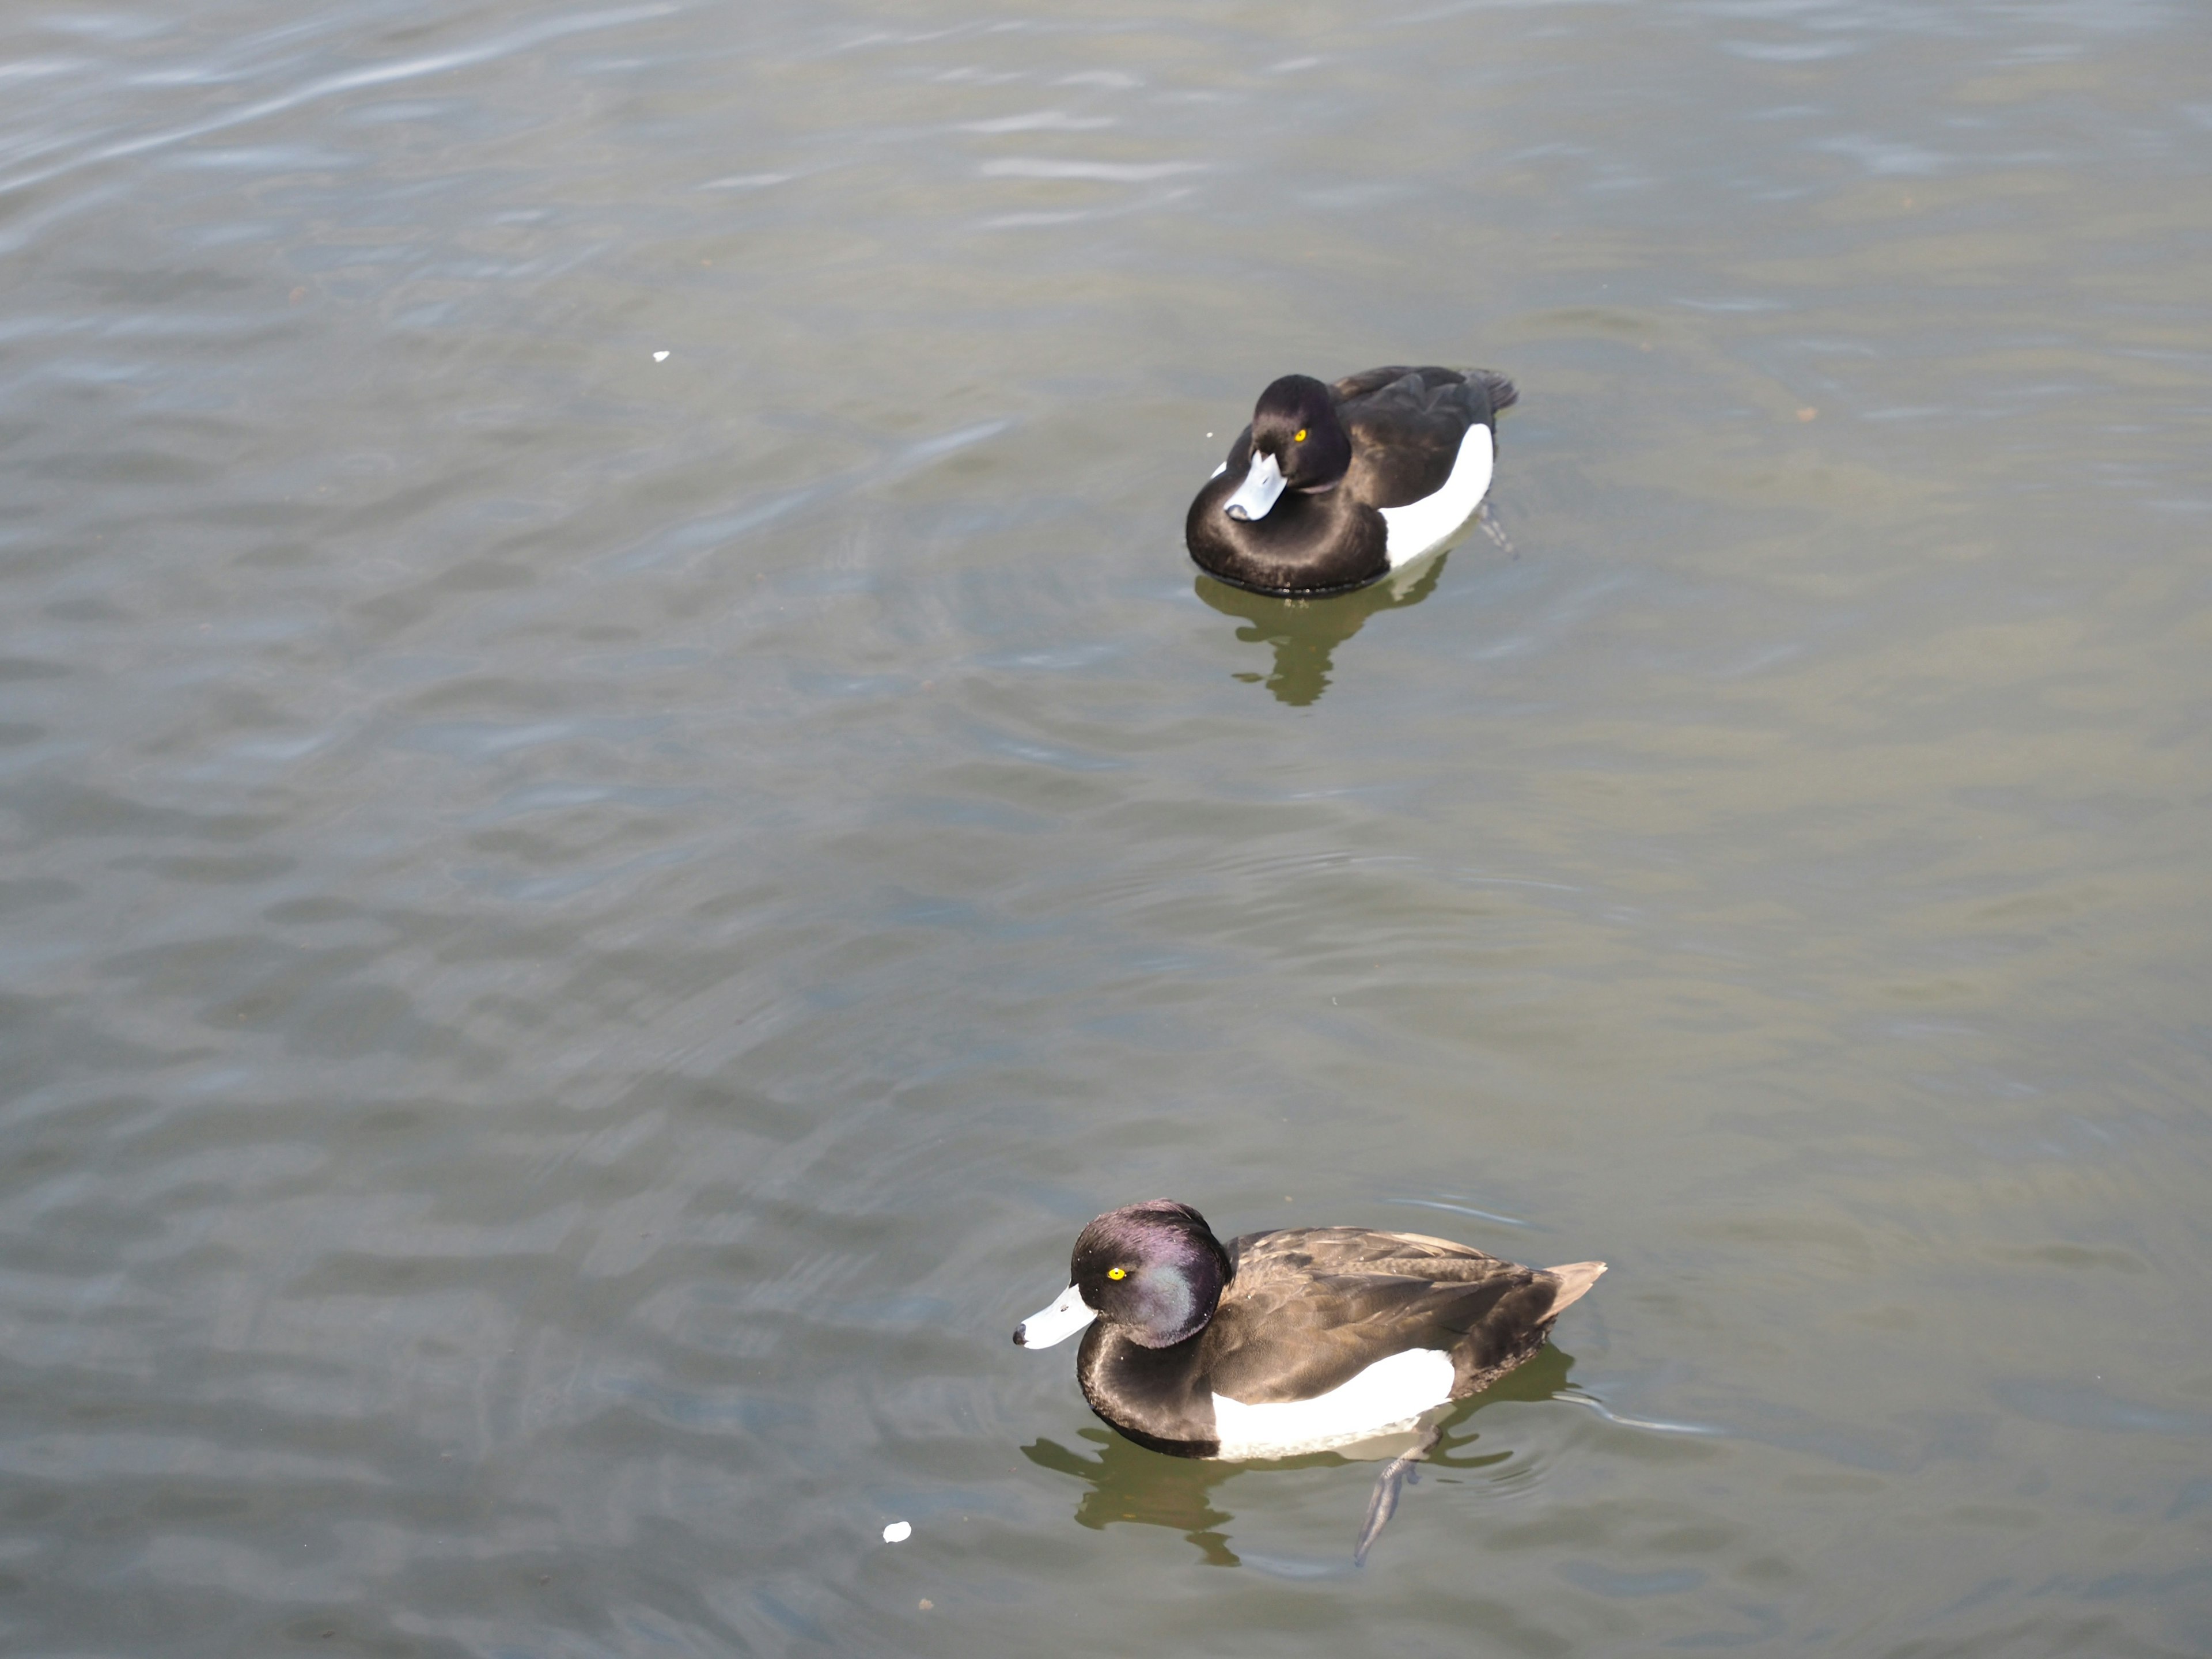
x,y
580,930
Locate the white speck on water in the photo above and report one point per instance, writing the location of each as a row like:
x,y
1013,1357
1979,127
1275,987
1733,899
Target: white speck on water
x,y
661,356
898,1532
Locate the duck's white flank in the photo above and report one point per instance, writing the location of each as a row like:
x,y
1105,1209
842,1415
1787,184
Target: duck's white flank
x,y
1420,527
1388,1394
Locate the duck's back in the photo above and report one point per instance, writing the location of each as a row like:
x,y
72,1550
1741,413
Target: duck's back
x,y
1298,1252
1308,1308
1406,425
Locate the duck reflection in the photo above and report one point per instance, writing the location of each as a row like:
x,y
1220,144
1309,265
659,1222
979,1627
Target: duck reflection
x,y
1126,1482
1304,632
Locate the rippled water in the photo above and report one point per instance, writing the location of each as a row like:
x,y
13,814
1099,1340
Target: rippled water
x,y
581,930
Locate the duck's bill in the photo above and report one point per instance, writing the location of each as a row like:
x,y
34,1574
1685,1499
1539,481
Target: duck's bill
x,y
1056,1323
1262,484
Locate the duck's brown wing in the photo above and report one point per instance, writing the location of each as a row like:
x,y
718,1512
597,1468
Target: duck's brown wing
x,y
1406,425
1311,1307
1298,1252
1497,392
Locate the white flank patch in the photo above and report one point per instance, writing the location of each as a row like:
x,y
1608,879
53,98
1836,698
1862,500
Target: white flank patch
x,y
898,1532
1388,1394
1422,526
661,356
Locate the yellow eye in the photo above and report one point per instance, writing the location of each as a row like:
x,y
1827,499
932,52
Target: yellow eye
x,y
1300,437
1116,1272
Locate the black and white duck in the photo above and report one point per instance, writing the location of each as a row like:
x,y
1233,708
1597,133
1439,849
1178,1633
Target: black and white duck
x,y
1293,1341
1332,487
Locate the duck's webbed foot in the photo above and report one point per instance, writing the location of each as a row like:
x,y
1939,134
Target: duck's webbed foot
x,y
1400,1472
1490,528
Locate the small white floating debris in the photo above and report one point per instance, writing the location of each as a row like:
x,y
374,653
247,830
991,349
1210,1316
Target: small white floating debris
x,y
898,1532
661,356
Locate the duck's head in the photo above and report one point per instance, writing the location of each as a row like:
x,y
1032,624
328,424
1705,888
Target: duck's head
x,y
1297,443
1154,1272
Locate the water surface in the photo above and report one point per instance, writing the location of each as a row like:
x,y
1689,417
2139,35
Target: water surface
x,y
581,930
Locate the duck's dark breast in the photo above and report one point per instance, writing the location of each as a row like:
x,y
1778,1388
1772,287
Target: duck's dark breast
x,y
1154,1396
1308,545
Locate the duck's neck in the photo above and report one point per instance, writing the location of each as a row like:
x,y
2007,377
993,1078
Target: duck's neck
x,y
1154,1395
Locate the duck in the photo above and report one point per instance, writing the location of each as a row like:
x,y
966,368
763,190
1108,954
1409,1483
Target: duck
x,y
1332,487
1292,1341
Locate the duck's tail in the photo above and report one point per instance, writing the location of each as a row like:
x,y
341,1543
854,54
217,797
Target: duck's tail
x,y
1504,394
1574,1280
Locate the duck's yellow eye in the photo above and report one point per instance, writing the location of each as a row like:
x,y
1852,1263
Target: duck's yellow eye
x,y
1116,1272
1299,437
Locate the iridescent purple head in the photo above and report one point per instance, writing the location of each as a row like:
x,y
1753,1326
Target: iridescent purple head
x,y
1154,1270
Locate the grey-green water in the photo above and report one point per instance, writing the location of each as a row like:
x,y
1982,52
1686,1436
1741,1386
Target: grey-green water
x,y
581,932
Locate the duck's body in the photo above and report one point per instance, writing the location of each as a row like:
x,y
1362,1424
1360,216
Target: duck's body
x,y
1292,1341
1332,487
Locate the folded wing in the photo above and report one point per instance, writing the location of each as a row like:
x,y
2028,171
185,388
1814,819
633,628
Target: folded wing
x,y
1311,1307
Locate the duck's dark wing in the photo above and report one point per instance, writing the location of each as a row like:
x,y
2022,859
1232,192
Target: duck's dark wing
x,y
1297,1252
1310,1308
1369,380
1498,390
1406,424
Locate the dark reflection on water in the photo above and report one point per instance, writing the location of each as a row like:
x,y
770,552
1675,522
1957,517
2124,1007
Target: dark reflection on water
x,y
1305,633
1129,1482
1126,1482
